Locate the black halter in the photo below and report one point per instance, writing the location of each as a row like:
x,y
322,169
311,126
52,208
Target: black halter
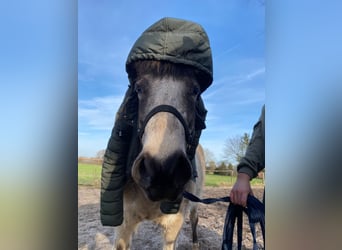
x,y
172,207
175,112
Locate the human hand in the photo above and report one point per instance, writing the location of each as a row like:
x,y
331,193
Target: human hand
x,y
240,190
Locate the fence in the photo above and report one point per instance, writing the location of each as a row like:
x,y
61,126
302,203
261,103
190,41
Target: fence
x,y
96,161
232,173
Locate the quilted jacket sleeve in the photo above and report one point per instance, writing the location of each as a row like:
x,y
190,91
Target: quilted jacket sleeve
x,y
113,176
254,160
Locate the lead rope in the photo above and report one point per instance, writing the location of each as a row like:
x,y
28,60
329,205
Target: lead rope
x,y
255,211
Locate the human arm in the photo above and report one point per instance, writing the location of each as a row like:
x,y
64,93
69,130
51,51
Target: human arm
x,y
241,189
251,164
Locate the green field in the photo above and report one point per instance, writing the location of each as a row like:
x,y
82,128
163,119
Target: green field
x,y
214,180
90,175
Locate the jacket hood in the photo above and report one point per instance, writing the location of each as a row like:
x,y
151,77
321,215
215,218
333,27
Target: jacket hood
x,y
177,41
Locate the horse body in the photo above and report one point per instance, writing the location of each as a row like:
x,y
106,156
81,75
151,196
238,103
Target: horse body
x,y
162,170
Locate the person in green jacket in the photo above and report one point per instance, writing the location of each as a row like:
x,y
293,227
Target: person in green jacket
x,y
171,40
251,164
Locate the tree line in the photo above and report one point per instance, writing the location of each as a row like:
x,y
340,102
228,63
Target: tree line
x,y
234,149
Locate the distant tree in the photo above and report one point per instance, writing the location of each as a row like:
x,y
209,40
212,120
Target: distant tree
x,y
230,166
245,140
231,170
211,167
235,147
208,156
221,169
100,154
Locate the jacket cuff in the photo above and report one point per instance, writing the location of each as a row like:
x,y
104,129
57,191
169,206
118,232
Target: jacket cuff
x,y
246,170
111,220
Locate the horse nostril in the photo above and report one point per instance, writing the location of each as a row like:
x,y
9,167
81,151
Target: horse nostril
x,y
145,179
162,178
182,170
141,172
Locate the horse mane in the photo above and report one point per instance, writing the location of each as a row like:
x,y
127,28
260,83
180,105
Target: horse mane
x,y
164,68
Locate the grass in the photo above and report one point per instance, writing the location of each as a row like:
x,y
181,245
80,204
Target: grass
x,y
90,175
214,180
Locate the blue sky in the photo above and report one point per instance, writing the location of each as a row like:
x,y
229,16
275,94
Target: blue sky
x,y
303,87
108,29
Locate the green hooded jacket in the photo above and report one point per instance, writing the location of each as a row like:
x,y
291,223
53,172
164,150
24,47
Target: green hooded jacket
x,y
170,39
254,160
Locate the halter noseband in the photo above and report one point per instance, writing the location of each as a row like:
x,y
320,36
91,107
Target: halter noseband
x,y
175,112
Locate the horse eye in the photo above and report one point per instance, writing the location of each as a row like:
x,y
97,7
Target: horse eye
x,y
140,86
138,89
195,91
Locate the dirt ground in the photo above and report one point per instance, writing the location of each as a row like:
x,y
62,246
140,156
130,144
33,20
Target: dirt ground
x,y
92,235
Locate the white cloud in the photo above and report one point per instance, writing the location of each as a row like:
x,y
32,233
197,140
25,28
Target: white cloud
x,y
236,90
255,73
238,79
253,97
98,113
225,52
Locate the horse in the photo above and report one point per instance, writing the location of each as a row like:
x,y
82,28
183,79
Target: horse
x,y
167,95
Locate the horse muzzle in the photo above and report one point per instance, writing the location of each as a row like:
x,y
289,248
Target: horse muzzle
x,y
162,179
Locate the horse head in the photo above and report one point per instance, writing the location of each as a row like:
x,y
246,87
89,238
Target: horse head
x,y
167,95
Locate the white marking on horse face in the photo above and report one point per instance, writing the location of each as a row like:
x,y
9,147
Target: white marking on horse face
x,y
160,138
164,133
